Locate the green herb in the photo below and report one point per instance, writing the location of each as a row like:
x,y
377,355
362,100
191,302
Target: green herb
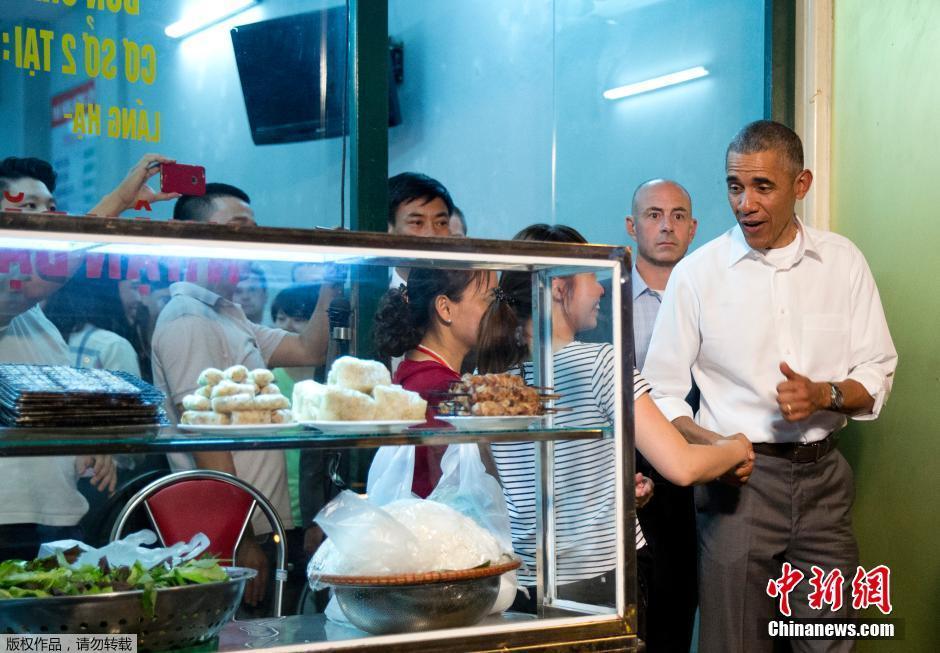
x,y
44,577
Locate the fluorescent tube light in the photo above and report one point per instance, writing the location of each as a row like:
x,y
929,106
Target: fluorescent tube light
x,y
211,251
194,21
38,244
655,83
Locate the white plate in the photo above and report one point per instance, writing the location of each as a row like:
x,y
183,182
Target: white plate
x,y
494,423
373,426
237,428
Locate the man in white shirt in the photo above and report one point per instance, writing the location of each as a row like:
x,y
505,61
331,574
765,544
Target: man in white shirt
x,y
662,224
202,327
39,498
781,328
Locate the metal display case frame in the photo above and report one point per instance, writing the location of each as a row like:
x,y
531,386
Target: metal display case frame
x,y
561,624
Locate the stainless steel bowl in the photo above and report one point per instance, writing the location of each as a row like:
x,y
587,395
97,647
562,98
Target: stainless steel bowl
x,y
184,616
410,608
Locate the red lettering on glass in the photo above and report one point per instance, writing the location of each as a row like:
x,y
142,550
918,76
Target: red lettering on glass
x,y
94,263
114,267
52,264
146,263
18,256
173,269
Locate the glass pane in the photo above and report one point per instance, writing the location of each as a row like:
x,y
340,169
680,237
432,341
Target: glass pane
x,y
198,314
607,147
251,92
476,106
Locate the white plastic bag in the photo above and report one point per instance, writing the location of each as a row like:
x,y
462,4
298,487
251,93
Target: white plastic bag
x,y
126,551
391,474
362,539
466,487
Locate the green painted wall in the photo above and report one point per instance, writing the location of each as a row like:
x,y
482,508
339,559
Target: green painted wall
x,y
886,198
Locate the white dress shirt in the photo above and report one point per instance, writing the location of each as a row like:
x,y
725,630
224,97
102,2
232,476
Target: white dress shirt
x,y
37,489
731,314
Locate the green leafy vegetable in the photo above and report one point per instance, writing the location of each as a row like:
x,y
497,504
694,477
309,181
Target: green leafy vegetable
x,y
44,577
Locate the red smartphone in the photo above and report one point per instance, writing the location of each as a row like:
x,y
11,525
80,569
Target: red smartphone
x,y
182,179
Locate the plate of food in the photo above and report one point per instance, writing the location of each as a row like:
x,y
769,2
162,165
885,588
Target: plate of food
x,y
494,402
358,396
238,428
362,427
491,422
236,400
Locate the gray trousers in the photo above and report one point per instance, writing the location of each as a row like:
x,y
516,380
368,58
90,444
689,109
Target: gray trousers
x,y
795,512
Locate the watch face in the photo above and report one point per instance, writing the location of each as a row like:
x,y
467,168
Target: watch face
x,y
835,396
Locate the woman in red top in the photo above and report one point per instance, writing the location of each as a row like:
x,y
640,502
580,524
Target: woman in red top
x,y
434,323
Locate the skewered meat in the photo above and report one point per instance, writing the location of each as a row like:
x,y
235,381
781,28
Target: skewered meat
x,y
495,394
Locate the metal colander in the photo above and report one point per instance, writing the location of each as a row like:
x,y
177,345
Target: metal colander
x,y
416,602
184,616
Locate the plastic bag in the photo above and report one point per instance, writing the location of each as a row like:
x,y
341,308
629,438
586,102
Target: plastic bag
x,y
465,486
126,551
391,474
363,539
406,536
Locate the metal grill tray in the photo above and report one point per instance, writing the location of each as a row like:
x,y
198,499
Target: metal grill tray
x,y
53,396
184,616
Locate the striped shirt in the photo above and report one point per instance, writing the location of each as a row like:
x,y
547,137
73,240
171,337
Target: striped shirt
x,y
585,470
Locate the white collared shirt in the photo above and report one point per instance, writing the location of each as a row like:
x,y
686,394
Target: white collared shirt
x,y
730,315
200,329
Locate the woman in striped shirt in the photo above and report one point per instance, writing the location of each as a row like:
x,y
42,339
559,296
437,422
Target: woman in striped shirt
x,y
584,498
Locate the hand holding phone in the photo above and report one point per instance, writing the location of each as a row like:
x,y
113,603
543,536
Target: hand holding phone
x,y
182,179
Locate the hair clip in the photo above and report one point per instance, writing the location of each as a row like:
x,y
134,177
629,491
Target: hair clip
x,y
501,295
403,291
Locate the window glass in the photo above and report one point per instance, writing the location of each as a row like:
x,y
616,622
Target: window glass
x,y
503,103
254,97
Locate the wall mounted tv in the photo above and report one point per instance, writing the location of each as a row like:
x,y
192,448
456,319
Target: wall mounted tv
x,y
292,72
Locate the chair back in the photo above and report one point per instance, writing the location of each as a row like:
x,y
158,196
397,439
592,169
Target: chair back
x,y
214,503
217,508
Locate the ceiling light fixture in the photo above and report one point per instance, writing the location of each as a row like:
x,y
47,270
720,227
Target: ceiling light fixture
x,y
655,83
196,21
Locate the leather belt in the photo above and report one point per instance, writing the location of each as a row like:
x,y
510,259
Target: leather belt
x,y
797,452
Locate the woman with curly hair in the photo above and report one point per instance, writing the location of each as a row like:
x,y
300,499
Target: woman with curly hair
x,y
433,322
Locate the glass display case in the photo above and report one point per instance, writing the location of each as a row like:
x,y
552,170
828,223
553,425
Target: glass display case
x,y
57,271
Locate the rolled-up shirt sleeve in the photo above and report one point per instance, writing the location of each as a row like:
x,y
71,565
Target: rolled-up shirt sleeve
x,y
873,356
674,346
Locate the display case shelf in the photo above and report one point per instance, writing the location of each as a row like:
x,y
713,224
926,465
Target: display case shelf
x,y
50,442
510,630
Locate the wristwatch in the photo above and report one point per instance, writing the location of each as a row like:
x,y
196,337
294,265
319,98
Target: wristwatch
x,y
835,397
